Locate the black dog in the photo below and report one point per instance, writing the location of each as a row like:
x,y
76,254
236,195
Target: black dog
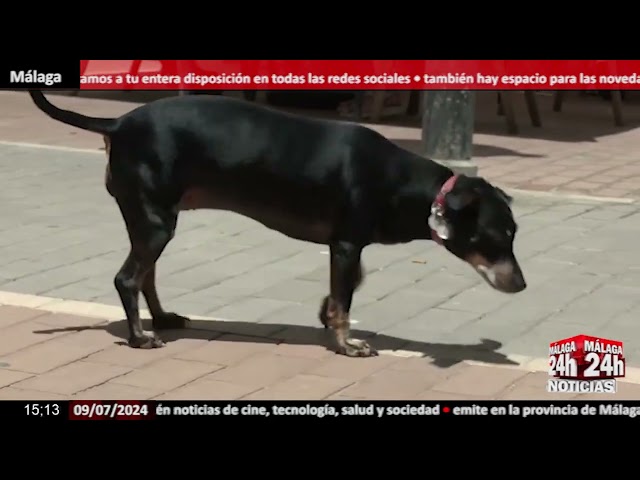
x,y
320,181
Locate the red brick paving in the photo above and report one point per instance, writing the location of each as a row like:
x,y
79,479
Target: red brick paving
x,y
67,362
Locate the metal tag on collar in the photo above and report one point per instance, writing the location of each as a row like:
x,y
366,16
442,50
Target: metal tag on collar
x,y
438,223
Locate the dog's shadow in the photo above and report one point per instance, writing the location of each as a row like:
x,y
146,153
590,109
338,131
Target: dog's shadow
x,y
443,355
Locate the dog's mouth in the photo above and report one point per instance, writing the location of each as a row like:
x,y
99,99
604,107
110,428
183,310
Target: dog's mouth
x,y
505,276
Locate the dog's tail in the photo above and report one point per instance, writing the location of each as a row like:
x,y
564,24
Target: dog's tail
x,y
105,126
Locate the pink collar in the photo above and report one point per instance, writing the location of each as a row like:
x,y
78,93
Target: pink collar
x,y
438,207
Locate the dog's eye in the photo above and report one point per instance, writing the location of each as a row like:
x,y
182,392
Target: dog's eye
x,y
475,238
509,233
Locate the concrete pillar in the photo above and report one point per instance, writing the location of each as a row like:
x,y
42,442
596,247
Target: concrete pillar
x,y
447,129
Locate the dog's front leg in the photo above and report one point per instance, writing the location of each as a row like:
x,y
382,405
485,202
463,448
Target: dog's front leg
x,y
345,275
324,306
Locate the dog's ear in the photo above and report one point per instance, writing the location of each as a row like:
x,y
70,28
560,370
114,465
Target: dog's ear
x,y
459,200
504,195
465,192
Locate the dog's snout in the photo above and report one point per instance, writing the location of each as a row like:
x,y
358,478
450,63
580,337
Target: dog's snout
x,y
519,283
505,276
516,284
517,278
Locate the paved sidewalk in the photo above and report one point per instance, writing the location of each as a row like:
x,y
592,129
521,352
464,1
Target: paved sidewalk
x,y
577,151
62,237
54,356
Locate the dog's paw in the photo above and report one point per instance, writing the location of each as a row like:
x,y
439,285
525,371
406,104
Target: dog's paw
x,y
357,348
146,342
169,321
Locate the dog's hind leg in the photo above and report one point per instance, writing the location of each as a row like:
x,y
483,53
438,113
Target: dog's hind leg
x,y
161,320
150,229
345,275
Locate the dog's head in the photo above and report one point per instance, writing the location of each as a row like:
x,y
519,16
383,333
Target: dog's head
x,y
476,224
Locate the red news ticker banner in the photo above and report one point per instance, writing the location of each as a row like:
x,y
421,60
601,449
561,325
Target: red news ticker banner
x,y
360,74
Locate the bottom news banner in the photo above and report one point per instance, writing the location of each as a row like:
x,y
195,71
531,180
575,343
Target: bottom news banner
x,y
83,410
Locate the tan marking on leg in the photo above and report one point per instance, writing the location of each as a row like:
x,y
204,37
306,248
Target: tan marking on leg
x,y
338,320
324,306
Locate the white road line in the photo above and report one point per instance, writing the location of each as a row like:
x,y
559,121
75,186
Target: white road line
x,y
52,147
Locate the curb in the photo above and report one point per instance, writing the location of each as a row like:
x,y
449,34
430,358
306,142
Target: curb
x,y
61,148
516,192
112,313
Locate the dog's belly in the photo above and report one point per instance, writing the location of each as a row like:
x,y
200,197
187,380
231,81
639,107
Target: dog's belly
x,y
308,228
